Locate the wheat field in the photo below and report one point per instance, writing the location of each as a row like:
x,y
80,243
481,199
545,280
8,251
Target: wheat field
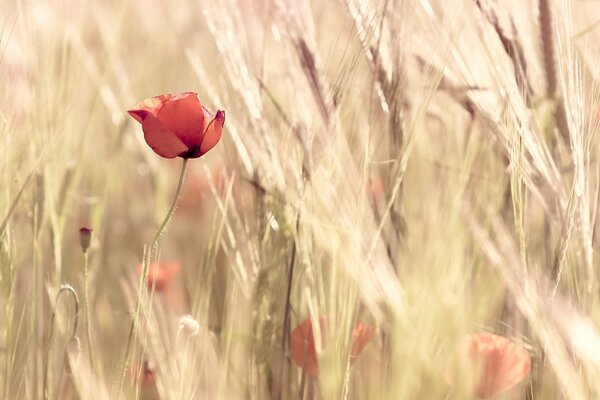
x,y
413,171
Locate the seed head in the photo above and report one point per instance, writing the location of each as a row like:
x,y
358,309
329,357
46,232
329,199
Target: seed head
x,y
189,325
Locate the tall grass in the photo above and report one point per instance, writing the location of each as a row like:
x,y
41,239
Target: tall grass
x,y
428,167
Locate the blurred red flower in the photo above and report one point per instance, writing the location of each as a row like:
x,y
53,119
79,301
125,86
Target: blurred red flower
x,y
375,189
198,187
197,192
361,336
177,125
499,363
142,374
304,352
160,274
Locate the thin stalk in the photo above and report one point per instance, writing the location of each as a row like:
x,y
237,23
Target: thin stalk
x,y
310,389
146,265
162,226
88,314
36,305
69,289
9,359
549,63
286,314
304,374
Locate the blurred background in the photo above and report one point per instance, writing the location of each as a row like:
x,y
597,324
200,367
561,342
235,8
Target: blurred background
x,y
425,168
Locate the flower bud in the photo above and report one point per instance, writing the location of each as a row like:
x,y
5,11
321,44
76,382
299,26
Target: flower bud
x,y
85,237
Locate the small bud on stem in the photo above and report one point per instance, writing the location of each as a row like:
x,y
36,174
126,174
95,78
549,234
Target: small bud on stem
x,y
85,237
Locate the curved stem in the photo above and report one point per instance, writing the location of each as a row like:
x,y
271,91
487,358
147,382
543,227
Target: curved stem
x,y
86,295
146,265
63,288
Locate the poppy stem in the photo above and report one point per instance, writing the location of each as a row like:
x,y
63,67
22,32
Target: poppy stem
x,y
63,288
86,298
162,226
146,266
304,373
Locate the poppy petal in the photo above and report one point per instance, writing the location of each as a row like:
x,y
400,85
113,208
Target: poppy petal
x,y
161,139
138,115
303,343
184,116
304,352
501,364
213,132
149,106
361,336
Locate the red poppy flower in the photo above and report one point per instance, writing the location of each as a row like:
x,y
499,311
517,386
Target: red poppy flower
x,y
304,352
159,275
177,125
499,363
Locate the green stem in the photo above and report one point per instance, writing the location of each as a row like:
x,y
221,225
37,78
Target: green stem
x,y
162,226
144,277
88,315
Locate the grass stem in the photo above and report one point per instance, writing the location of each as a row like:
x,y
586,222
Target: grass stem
x,y
286,313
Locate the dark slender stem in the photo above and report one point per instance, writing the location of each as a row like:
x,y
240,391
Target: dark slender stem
x,y
286,314
304,374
